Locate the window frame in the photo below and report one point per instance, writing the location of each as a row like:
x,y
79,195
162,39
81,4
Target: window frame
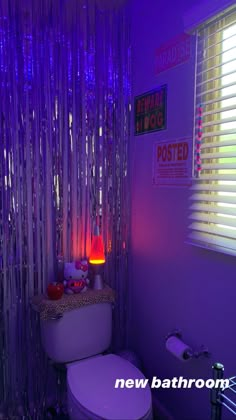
x,y
204,230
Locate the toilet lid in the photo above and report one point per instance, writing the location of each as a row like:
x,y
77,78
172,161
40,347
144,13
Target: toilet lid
x,y
92,383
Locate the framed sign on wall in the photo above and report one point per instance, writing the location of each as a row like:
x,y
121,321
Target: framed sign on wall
x,y
176,51
172,162
150,111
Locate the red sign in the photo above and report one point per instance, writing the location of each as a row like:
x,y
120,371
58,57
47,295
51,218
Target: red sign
x,y
175,52
150,111
172,163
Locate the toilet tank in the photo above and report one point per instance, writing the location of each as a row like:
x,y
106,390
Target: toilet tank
x,y
79,333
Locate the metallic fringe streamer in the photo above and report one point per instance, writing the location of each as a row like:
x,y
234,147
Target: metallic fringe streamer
x,y
64,130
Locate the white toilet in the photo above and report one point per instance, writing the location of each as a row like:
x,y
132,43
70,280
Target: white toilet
x,y
77,339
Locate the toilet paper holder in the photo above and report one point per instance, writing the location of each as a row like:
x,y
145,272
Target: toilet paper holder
x,y
190,354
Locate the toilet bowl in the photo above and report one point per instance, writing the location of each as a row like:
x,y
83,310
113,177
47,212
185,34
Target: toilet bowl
x,y
92,394
73,340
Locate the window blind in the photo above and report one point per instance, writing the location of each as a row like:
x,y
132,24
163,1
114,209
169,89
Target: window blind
x,y
213,199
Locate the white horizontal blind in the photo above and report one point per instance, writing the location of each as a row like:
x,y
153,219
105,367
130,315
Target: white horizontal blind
x,y
213,199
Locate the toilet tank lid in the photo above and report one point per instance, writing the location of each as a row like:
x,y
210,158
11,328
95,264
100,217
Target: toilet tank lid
x,y
92,383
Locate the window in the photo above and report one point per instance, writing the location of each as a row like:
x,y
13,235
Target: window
x,y
213,199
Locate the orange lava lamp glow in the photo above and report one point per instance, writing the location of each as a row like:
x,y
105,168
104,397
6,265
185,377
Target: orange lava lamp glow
x,y
97,255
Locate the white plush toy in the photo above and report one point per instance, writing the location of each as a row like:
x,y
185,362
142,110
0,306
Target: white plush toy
x,y
75,277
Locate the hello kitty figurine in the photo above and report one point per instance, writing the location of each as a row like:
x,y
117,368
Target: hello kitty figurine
x,y
75,277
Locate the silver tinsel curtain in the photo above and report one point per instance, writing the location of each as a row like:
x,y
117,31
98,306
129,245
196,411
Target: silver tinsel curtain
x,y
64,129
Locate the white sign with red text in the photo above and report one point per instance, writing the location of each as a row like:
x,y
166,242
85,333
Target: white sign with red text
x,y
172,163
174,52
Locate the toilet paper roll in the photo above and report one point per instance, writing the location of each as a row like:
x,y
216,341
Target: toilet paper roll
x,y
178,348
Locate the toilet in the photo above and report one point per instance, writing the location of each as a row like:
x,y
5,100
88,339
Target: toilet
x,y
78,339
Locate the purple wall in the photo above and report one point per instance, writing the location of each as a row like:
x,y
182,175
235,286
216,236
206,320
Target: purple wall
x,y
173,285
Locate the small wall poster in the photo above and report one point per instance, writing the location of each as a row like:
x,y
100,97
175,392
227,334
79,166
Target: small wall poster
x,y
173,53
150,111
172,163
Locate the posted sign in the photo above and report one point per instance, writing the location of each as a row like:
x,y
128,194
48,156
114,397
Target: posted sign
x,y
172,162
150,111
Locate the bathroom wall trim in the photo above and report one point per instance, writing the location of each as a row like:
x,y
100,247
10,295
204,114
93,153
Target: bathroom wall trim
x,y
204,11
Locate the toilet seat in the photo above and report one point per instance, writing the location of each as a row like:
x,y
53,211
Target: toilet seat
x,y
92,384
